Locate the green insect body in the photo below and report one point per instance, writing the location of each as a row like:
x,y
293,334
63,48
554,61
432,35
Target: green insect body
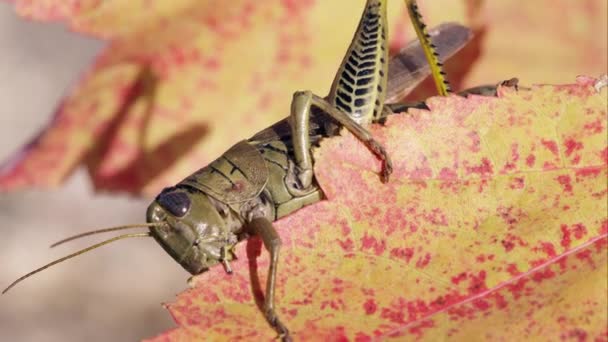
x,y
270,175
259,180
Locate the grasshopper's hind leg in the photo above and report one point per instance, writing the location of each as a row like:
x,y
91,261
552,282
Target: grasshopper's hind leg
x,y
357,93
441,82
300,121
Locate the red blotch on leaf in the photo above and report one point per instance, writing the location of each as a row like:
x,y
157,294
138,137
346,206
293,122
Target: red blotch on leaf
x,y
370,306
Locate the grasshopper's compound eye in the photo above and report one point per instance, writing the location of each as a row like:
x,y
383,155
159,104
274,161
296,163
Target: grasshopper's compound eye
x,y
177,203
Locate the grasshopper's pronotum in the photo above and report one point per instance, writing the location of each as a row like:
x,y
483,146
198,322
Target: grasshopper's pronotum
x,y
259,180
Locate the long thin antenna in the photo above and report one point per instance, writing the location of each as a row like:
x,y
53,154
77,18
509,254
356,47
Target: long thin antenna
x,y
105,230
125,236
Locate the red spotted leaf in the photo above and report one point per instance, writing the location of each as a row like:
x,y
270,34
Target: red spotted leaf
x,y
178,84
181,81
493,226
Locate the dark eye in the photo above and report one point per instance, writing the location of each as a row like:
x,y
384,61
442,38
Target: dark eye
x,y
176,203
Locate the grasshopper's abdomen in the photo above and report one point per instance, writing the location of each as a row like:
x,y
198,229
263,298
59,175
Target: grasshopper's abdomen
x,y
359,87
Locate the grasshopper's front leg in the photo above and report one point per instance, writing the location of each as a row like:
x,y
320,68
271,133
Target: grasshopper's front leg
x,y
301,107
262,227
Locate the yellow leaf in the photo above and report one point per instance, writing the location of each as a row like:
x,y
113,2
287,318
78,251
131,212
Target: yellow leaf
x,y
493,227
181,81
179,84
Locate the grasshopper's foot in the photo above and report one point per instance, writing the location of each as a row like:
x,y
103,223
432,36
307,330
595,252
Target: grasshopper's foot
x,y
387,165
511,83
601,83
298,181
305,178
277,325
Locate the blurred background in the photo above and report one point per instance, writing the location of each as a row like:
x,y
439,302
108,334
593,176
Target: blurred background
x,y
115,293
112,294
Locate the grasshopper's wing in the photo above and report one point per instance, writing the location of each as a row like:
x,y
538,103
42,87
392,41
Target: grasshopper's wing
x,y
405,71
237,176
281,131
409,67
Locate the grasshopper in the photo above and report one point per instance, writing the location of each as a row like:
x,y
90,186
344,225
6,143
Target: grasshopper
x,y
259,180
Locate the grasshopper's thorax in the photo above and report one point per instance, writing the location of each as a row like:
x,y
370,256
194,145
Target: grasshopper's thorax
x,y
199,232
359,87
278,198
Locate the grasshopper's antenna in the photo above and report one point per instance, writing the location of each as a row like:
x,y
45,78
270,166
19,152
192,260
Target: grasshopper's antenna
x,y
125,236
105,230
441,82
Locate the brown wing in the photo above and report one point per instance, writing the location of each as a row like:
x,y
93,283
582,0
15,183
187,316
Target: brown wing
x,y
409,67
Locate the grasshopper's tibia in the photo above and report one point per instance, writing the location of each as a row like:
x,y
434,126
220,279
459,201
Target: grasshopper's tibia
x,y
439,76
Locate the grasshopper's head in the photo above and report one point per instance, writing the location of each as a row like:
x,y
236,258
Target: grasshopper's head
x,y
193,228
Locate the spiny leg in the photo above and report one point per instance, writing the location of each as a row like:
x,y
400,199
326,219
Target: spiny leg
x,y
300,118
263,228
442,84
410,66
